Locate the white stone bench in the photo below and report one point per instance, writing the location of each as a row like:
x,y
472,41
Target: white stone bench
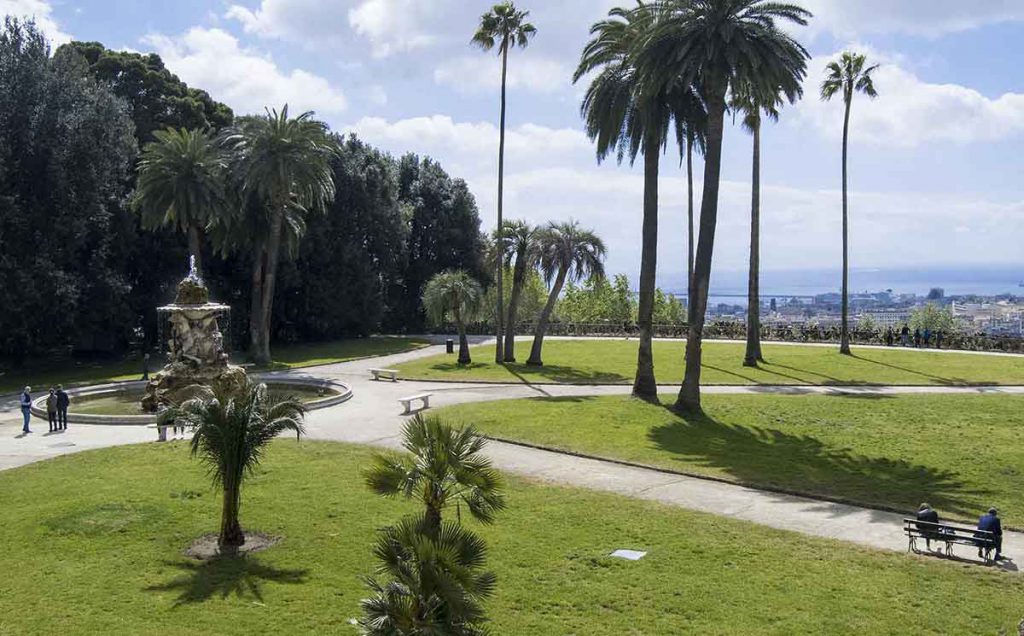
x,y
407,401
161,430
391,373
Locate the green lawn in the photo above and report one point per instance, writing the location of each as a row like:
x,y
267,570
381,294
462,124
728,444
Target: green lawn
x,y
129,402
93,545
285,357
959,453
614,362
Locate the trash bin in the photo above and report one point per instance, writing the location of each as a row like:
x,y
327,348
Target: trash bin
x,y
449,345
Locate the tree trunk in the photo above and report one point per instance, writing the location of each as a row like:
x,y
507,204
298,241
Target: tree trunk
x,y
689,212
844,330
689,393
645,386
432,521
518,280
256,302
545,315
195,246
498,347
231,535
463,341
753,353
273,254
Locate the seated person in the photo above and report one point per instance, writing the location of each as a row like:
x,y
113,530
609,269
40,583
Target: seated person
x,y
927,513
990,523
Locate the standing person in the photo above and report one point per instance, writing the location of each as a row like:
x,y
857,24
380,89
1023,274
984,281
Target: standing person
x,y
927,337
63,401
990,523
889,336
26,408
905,335
51,410
917,338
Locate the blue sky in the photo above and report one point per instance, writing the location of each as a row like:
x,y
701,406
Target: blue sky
x,y
937,162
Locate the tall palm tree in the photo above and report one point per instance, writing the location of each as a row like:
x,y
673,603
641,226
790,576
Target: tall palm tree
x,y
503,26
750,106
520,250
626,116
284,163
444,466
230,432
849,75
567,252
454,296
435,582
710,45
180,184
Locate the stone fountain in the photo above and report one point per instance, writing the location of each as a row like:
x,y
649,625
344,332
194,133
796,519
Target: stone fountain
x,y
195,348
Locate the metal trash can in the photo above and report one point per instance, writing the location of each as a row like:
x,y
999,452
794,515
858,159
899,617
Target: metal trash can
x,y
449,345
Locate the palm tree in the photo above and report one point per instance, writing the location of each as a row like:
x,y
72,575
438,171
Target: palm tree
x,y
710,45
283,163
750,106
180,184
436,582
444,466
690,127
503,26
626,116
454,296
849,75
230,432
519,246
567,252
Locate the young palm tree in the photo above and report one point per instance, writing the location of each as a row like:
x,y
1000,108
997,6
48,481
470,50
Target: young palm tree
x,y
180,184
567,252
628,117
849,75
454,296
503,26
230,432
284,164
444,466
520,248
710,45
436,582
750,107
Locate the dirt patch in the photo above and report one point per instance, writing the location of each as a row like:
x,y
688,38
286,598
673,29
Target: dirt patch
x,y
205,547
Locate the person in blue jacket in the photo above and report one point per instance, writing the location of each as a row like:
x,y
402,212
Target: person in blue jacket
x,y
990,523
26,407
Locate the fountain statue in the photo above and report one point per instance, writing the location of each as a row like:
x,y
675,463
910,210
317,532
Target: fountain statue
x,y
195,346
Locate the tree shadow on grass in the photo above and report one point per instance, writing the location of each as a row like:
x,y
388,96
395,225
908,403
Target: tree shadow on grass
x,y
551,374
771,458
937,379
224,576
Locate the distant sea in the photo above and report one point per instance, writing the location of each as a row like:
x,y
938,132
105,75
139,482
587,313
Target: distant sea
x,y
731,286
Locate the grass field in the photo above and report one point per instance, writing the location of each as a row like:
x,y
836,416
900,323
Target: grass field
x,y
614,362
959,453
93,545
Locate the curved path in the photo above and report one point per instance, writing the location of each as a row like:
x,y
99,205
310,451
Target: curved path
x,y
373,416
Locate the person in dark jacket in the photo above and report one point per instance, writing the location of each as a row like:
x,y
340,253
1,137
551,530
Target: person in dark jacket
x,y
990,523
917,338
26,408
63,401
927,514
51,409
905,335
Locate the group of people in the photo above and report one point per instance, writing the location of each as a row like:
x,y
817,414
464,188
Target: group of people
x,y
989,522
918,338
57,403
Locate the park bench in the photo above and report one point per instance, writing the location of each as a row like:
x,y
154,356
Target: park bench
x,y
391,373
407,401
161,430
947,535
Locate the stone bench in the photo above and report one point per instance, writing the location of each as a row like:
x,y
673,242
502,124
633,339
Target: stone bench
x,y
407,402
391,373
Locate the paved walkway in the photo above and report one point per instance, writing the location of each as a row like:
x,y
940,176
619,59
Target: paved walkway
x,y
373,416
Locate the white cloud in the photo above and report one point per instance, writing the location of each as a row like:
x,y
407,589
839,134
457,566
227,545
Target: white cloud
x,y
394,26
910,111
296,20
482,72
41,12
929,18
243,78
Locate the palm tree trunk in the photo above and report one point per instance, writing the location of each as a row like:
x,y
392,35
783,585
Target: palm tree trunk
x,y
518,280
645,385
432,520
195,246
463,341
545,315
689,393
844,332
498,348
256,302
689,211
753,353
273,253
231,535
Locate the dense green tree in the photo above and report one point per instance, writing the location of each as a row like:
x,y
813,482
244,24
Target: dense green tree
x,y
567,253
934,318
503,26
598,300
453,297
847,76
229,434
